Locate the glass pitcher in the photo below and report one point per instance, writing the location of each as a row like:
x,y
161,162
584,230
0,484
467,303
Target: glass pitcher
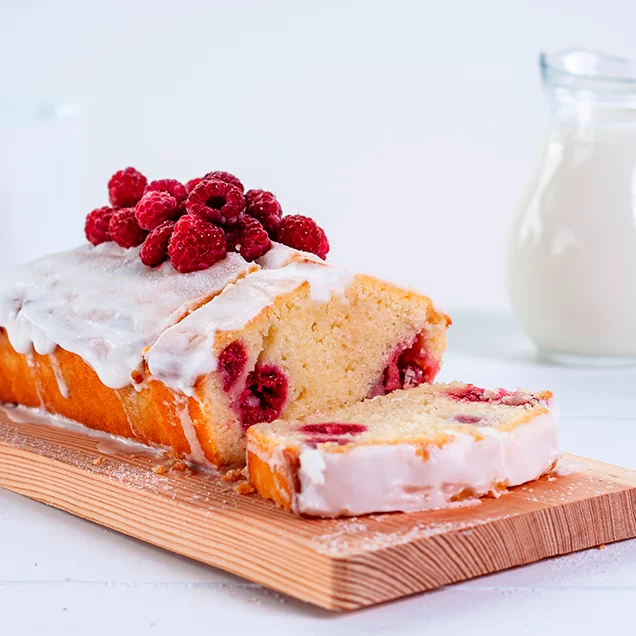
x,y
572,258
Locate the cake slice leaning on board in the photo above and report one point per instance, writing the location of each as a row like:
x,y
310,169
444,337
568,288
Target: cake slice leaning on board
x,y
191,361
418,449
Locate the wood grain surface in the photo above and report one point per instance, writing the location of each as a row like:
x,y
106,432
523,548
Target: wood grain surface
x,y
336,564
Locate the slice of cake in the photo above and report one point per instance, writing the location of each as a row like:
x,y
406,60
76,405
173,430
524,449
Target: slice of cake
x,y
411,450
184,323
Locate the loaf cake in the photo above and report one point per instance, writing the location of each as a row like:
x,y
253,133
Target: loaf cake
x,y
414,449
190,361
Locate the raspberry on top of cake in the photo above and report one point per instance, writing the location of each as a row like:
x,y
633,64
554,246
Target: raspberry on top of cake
x,y
197,224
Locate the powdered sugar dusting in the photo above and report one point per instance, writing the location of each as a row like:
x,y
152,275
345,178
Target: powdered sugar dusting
x,y
116,457
107,443
355,535
378,531
120,471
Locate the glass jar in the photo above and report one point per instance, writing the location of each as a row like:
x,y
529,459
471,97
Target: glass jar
x,y
572,258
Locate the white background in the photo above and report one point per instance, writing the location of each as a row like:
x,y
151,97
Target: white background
x,y
408,129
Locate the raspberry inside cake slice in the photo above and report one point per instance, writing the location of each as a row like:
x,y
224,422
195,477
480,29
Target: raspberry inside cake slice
x,y
413,449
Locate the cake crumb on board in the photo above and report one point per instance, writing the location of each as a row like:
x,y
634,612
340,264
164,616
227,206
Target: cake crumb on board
x,y
236,474
243,488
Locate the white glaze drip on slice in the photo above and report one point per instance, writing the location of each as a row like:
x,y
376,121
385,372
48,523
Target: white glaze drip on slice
x,y
185,352
103,304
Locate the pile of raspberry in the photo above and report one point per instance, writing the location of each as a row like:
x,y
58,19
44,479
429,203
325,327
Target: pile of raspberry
x,y
195,225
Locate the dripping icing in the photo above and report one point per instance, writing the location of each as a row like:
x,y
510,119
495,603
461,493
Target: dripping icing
x,y
59,377
102,304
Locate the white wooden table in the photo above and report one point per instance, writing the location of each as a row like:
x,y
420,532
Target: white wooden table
x,y
60,574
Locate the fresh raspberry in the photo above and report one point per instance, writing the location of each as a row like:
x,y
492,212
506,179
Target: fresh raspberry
x,y
196,244
264,395
226,177
154,250
126,187
266,208
216,202
232,363
154,209
125,230
96,226
303,233
251,195
193,183
333,429
249,239
171,186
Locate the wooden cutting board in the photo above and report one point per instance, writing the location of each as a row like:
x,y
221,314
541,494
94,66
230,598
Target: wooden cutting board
x,y
336,564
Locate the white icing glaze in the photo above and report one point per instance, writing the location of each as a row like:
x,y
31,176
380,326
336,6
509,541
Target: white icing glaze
x,y
280,255
59,377
350,483
185,351
103,304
